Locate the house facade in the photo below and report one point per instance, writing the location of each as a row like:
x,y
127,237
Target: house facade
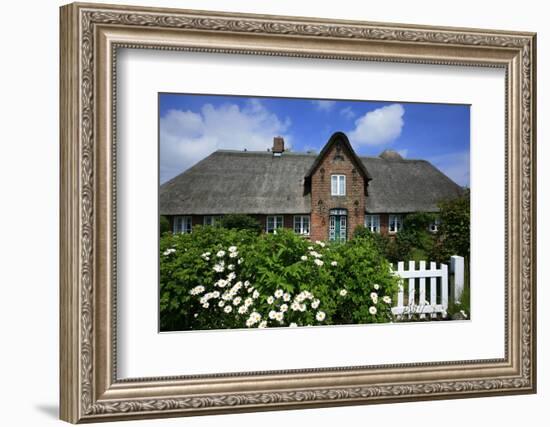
x,y
323,196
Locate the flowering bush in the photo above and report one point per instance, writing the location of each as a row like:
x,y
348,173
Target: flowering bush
x,y
216,278
367,286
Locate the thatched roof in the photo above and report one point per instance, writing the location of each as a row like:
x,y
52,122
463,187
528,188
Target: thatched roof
x,y
401,186
259,183
239,182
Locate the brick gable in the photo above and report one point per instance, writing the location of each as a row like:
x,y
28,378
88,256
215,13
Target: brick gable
x,y
337,159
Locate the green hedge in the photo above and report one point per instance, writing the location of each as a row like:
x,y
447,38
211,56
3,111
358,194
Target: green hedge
x,y
219,278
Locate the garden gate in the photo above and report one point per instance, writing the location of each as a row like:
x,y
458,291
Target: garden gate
x,y
416,300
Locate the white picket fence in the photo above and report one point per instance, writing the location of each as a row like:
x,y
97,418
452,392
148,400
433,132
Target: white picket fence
x,y
428,288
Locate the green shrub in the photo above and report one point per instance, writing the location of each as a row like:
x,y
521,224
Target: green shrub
x,y
270,280
240,222
370,287
454,230
164,225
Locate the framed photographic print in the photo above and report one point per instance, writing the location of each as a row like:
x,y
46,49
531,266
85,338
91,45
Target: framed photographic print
x,y
266,212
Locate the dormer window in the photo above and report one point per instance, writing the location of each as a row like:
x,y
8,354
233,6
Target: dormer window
x,y
338,185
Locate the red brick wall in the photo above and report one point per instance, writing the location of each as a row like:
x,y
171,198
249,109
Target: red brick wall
x,y
384,223
336,161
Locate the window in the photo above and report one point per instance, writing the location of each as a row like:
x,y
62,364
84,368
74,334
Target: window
x,y
395,223
338,185
301,224
182,224
434,226
273,222
211,219
372,222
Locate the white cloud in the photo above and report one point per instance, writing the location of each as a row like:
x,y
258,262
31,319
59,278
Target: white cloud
x,y
455,165
348,113
324,105
378,127
187,137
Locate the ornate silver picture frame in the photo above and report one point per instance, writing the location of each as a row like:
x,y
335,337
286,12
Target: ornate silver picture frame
x,y
91,36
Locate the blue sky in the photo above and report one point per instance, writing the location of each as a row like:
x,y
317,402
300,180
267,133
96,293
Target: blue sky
x,y
193,126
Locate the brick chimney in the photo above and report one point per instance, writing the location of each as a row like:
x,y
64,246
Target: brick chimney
x,y
278,146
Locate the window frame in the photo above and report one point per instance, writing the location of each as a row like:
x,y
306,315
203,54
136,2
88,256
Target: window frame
x,y
186,224
340,185
275,223
369,224
433,227
301,224
215,218
399,224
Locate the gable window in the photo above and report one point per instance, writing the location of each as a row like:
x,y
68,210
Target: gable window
x,y
211,219
301,224
338,185
273,222
372,223
434,226
182,224
395,223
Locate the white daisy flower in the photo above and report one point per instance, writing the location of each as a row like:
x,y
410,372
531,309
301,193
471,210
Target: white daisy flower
x,y
221,303
270,300
376,286
221,283
386,299
303,307
169,251
283,308
237,300
343,292
293,325
256,294
243,309
233,255
228,309
197,290
334,263
231,267
374,297
220,254
310,248
240,261
315,303
246,284
318,262
262,324
232,248
279,317
248,301
295,306
231,276
218,268
372,310
286,297
320,316
272,314
278,293
206,305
